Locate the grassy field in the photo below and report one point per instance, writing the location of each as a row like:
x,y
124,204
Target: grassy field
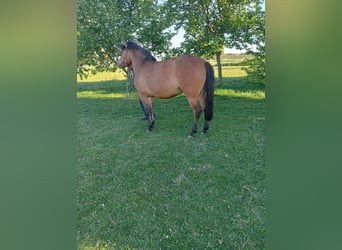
x,y
161,190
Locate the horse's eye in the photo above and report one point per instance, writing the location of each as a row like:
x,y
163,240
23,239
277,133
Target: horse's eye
x,y
123,47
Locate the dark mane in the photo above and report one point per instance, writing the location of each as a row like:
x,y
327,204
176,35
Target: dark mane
x,y
147,54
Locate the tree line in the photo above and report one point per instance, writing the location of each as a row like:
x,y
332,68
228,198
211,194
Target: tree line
x,y
209,25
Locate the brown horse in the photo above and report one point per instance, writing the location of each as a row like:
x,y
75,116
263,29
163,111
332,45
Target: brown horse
x,y
186,74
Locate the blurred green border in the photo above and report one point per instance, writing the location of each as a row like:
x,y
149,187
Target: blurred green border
x,y
38,125
303,130
38,121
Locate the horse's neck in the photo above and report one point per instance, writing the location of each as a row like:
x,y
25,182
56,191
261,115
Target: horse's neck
x,y
137,60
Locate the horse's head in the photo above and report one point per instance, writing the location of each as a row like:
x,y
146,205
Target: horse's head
x,y
125,59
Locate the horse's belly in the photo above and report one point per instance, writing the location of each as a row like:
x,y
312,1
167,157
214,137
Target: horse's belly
x,y
169,93
164,86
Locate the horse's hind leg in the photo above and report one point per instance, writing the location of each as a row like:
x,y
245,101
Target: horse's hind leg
x,y
206,127
201,100
197,110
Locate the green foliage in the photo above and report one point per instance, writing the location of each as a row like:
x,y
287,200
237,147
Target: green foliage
x,y
209,27
256,69
103,24
256,66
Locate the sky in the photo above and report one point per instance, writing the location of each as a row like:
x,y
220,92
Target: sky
x,y
177,39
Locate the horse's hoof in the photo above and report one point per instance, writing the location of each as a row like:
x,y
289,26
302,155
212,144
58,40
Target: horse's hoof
x,y
204,132
148,130
190,136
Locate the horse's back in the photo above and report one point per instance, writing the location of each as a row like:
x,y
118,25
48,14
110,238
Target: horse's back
x,y
188,60
179,67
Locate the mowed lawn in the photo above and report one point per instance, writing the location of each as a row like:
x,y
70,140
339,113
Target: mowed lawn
x,y
161,190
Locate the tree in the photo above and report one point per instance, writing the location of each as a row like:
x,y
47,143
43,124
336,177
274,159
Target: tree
x,y
103,24
212,24
256,66
97,35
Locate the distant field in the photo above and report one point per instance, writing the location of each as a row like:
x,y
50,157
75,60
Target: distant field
x,y
230,68
231,59
104,76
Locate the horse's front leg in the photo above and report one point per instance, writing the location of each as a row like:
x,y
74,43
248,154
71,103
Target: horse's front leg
x,y
150,119
150,114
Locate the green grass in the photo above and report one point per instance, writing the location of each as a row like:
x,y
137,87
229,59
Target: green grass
x,y
161,190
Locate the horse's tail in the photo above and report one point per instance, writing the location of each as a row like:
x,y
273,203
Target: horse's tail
x,y
209,89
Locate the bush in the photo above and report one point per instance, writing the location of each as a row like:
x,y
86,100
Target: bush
x,y
255,68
